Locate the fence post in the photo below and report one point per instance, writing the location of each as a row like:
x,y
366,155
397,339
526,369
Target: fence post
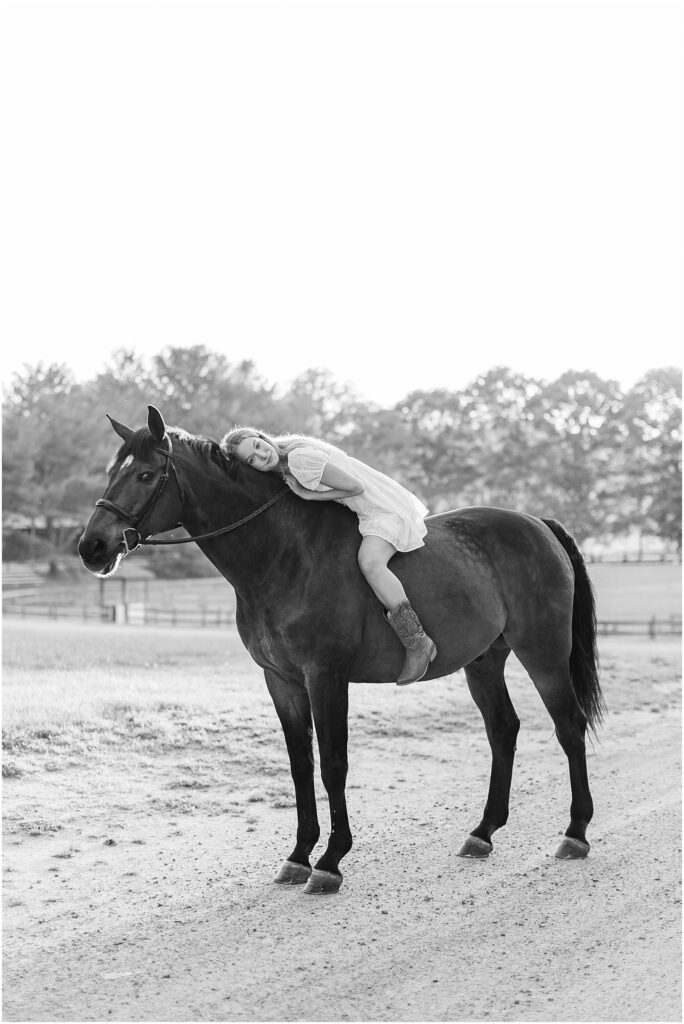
x,y
652,628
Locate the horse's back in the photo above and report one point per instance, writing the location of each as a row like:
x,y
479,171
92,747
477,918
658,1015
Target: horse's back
x,y
501,539
481,569
477,565
487,522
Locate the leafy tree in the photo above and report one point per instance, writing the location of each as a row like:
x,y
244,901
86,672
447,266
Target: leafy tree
x,y
123,391
317,403
575,448
650,455
243,397
576,430
476,446
28,391
383,439
44,441
201,391
21,444
185,379
443,462
498,409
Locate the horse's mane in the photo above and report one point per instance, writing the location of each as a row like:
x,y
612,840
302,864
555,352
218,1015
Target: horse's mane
x,y
209,449
142,443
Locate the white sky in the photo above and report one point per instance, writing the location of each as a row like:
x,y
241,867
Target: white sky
x,y
406,194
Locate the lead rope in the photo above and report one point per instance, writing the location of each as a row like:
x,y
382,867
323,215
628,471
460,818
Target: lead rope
x,y
224,529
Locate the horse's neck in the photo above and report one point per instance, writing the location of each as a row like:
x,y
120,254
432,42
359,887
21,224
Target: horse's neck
x,y
213,501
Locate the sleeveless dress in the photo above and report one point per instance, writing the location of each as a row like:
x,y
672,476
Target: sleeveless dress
x,y
385,509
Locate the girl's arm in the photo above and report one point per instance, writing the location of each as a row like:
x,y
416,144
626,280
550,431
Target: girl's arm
x,y
341,484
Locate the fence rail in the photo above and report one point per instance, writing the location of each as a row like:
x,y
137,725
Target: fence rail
x,y
84,612
652,627
133,613
139,614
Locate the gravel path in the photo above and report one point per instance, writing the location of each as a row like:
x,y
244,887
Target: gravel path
x,y
152,899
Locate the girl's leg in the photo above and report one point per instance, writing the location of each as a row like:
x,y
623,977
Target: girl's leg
x,y
374,554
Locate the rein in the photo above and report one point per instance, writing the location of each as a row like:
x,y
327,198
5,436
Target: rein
x,y
223,529
134,521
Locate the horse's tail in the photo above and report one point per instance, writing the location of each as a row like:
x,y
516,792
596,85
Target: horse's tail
x,y
584,660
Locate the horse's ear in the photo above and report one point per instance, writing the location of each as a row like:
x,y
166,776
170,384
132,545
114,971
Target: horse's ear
x,y
155,422
125,433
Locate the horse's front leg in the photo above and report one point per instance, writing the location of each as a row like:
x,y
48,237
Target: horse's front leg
x,y
330,704
294,711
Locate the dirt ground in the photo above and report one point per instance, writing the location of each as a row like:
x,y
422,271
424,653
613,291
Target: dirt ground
x,y
138,874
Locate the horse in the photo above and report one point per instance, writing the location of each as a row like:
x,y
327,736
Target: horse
x,y
488,581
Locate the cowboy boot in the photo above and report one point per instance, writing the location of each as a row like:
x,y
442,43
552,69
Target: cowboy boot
x,y
420,650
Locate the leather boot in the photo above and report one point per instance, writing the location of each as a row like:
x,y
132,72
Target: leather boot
x,y
420,650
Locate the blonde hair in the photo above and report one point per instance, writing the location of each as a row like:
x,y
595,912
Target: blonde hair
x,y
283,443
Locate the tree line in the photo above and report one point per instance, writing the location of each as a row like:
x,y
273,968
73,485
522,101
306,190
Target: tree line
x,y
603,460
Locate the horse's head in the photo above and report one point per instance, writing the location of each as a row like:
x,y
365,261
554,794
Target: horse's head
x,y
138,500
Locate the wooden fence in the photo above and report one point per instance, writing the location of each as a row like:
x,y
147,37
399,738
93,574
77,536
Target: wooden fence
x,y
652,627
136,613
133,613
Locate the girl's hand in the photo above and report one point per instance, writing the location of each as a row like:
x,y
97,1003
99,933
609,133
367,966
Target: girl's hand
x,y
298,489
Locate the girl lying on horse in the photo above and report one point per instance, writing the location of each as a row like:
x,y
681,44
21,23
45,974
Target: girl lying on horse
x,y
390,519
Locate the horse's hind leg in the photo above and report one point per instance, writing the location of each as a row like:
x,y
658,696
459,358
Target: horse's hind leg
x,y
488,689
553,681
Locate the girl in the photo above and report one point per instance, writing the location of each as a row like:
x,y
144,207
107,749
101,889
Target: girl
x,y
390,519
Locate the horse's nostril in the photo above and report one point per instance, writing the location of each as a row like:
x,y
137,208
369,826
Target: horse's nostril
x,y
91,548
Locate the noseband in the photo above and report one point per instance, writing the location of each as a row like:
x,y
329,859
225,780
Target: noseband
x,y
134,521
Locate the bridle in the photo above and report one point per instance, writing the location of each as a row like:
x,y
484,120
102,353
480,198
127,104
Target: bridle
x,y
134,521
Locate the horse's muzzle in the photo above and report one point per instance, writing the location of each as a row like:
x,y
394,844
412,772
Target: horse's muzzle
x,y
98,554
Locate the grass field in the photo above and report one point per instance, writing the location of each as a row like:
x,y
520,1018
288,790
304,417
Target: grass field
x,y
77,692
70,688
633,590
67,687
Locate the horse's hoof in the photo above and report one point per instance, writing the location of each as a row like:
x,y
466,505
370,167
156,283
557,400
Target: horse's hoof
x,y
292,873
572,849
323,883
475,847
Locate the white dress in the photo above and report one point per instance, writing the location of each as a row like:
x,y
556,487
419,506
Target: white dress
x,y
385,509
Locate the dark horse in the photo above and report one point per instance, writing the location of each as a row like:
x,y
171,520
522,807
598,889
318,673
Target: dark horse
x,y
487,581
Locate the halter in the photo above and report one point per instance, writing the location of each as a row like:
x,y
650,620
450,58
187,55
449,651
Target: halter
x,y
134,521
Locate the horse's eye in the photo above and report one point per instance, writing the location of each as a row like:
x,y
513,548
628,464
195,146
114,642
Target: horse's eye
x,y
145,477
